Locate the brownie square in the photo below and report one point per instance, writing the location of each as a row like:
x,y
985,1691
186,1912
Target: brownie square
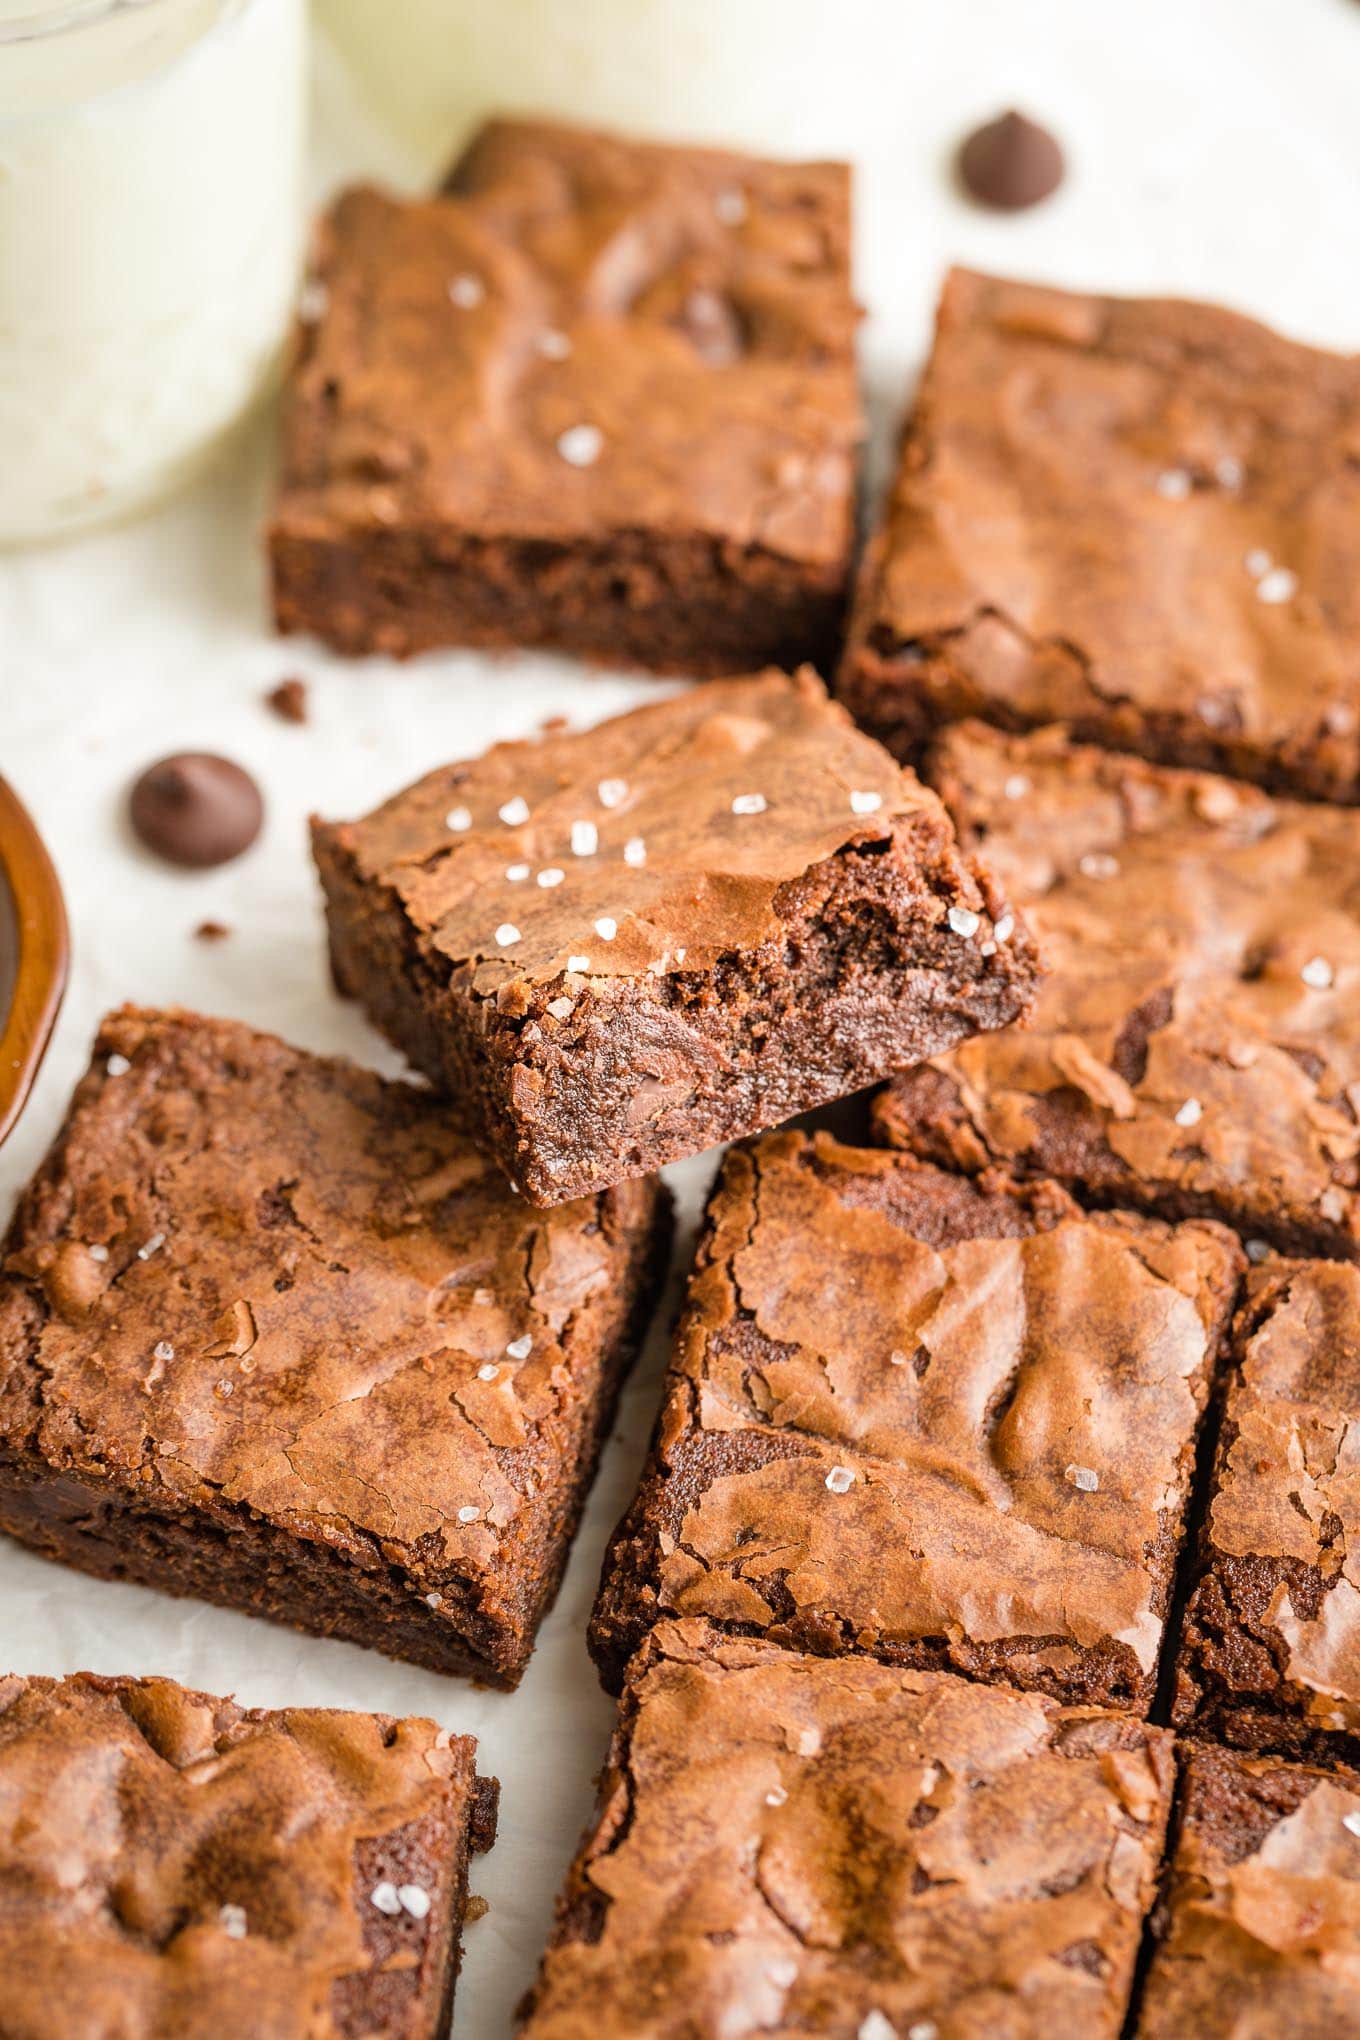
x,y
1270,1648
1140,517
1261,1929
948,1423
788,1845
604,398
174,1864
1195,1048
619,947
273,1334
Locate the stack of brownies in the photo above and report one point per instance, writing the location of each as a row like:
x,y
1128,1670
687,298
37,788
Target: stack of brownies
x,y
983,1620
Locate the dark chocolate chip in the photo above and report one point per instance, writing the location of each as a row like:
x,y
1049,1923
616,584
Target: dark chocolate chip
x,y
1010,163
289,700
195,809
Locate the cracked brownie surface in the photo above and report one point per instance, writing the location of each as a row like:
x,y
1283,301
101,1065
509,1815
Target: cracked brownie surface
x,y
603,396
273,1334
1260,1928
1140,517
944,1422
172,1864
787,1845
1270,1651
1195,1046
617,947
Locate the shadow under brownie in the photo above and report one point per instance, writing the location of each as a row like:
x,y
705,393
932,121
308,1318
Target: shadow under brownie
x,y
273,1334
174,1864
604,398
944,1422
788,1845
1195,1046
1139,517
619,947
1260,1929
1270,1649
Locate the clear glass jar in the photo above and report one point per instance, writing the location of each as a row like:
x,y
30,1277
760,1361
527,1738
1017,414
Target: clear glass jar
x,y
150,241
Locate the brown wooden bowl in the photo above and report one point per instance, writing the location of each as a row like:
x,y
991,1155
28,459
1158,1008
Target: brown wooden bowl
x,y
34,953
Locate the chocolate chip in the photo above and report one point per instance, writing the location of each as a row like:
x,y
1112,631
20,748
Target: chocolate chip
x,y
289,700
1010,163
195,809
211,931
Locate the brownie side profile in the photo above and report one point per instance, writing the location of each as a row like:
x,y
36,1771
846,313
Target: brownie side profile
x,y
1138,517
173,1864
1260,1929
618,947
1195,1047
788,1845
1270,1648
949,1423
604,398
274,1335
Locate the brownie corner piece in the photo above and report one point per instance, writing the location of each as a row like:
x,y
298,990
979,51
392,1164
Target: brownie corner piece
x,y
1270,1648
1134,516
318,1873
603,397
1259,1927
619,947
948,1422
789,1844
274,1334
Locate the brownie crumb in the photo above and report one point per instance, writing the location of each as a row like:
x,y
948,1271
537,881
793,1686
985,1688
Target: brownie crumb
x,y
289,700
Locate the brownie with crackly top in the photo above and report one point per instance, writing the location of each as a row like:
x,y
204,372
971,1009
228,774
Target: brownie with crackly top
x,y
602,397
273,1334
1135,516
617,947
168,1859
943,1421
1195,1046
1259,1930
786,1844
1270,1648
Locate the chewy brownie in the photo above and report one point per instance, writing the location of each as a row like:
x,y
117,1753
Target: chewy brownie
x,y
1270,1652
950,1423
1195,1049
604,398
619,947
273,1334
175,1865
786,1845
1260,1933
1138,517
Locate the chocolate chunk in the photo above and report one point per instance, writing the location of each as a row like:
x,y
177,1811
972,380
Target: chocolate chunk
x,y
196,809
289,700
1010,164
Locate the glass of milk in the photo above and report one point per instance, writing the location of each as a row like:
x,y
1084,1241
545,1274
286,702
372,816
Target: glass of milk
x,y
150,241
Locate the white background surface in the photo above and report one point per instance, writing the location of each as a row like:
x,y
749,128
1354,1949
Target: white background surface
x,y
1214,150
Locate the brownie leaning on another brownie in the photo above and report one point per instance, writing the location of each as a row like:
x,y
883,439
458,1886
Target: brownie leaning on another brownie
x,y
1195,1047
618,947
273,1334
1139,517
945,1422
786,1845
604,398
175,1867
1270,1649
1260,1930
